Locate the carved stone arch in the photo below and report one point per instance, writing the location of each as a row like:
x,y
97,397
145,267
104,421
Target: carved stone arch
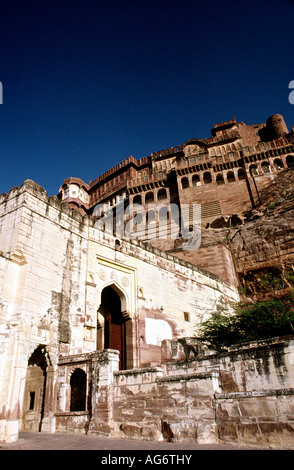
x,y
35,388
124,298
115,328
39,356
73,370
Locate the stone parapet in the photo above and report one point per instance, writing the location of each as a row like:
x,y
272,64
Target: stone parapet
x,y
9,430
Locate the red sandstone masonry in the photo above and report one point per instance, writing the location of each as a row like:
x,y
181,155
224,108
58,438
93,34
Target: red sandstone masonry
x,y
245,395
164,403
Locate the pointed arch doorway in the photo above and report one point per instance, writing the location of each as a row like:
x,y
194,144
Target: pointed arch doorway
x,y
36,390
113,334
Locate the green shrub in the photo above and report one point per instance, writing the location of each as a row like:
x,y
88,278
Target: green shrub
x,y
262,320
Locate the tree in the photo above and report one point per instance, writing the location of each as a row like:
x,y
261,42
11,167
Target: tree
x,y
261,320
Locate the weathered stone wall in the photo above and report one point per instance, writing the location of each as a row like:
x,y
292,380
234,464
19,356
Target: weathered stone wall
x,y
99,367
150,404
217,200
214,257
244,396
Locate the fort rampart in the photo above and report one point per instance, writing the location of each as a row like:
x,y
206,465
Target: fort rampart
x,y
243,396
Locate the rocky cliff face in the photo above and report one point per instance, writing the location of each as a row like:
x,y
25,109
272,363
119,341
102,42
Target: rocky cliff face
x,y
262,241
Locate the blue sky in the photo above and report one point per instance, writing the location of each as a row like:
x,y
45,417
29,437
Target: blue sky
x,y
86,83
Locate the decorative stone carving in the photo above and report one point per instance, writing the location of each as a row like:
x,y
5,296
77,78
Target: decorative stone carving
x,y
125,281
102,274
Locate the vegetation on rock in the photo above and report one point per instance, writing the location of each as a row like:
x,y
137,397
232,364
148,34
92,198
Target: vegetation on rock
x,y
249,322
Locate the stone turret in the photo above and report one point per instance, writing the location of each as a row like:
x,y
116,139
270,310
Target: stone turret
x,y
276,126
75,193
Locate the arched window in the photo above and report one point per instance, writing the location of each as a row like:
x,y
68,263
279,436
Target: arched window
x,y
65,191
278,164
149,198
290,161
253,170
196,180
220,179
35,392
185,183
241,174
137,199
207,177
161,194
78,382
265,166
230,177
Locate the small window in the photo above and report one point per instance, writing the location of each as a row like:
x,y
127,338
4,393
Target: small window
x,y
186,316
207,177
290,161
265,166
137,199
185,183
241,174
196,180
149,198
230,177
253,170
278,164
220,179
78,390
161,194
32,400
